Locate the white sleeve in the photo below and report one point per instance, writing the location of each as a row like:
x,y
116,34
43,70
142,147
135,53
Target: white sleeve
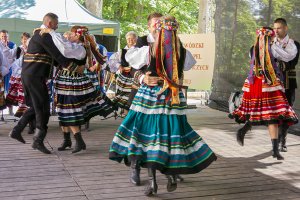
x,y
10,54
138,57
285,54
67,48
104,51
17,66
189,61
114,62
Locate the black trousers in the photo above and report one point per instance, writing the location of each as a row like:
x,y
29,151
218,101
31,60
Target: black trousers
x,y
290,95
37,99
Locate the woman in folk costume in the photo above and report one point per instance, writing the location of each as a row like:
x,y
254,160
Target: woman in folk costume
x,y
264,101
77,99
15,94
121,67
155,133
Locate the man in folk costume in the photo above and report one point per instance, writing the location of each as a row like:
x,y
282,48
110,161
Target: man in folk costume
x,y
146,40
137,75
37,66
286,52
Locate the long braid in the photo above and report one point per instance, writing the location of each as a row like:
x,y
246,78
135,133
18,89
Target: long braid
x,y
99,57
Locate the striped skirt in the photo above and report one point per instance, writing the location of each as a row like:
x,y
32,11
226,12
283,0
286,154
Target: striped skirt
x,y
93,76
15,94
159,136
123,86
77,99
263,104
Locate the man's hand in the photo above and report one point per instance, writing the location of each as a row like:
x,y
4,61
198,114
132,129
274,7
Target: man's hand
x,y
120,68
151,80
45,30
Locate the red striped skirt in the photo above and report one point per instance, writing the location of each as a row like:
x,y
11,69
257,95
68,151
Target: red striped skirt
x,y
264,104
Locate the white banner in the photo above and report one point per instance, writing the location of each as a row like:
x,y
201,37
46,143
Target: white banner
x,y
202,46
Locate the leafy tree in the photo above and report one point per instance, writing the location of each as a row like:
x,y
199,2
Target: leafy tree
x,y
132,14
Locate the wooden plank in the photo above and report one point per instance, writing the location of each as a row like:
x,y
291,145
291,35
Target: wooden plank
x,y
246,172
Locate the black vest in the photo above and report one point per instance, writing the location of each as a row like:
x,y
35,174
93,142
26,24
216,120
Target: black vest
x,y
289,70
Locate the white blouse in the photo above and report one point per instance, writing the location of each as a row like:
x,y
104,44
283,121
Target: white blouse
x,y
139,57
284,50
67,48
114,61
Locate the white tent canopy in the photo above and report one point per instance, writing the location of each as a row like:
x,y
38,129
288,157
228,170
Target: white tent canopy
x,y
25,15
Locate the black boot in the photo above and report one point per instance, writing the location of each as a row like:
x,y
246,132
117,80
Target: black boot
x,y
242,132
283,130
135,173
66,143
38,141
87,126
16,133
31,128
151,188
80,145
276,153
172,183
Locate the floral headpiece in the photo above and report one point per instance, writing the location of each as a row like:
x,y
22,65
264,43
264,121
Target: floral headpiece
x,y
81,31
170,25
265,31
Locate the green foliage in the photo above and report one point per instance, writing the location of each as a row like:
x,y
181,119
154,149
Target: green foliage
x,y
251,14
132,14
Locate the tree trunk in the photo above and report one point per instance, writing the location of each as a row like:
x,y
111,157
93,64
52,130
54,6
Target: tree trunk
x,y
234,30
202,17
218,30
269,13
94,6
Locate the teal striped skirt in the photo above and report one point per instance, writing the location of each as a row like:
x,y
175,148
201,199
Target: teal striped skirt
x,y
158,135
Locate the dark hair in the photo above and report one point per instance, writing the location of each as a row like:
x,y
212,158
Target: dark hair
x,y
25,34
51,16
154,15
281,21
3,31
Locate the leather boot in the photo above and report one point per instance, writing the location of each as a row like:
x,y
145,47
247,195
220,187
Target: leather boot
x,y
16,133
172,183
66,143
151,188
80,145
283,130
38,141
31,128
135,173
276,153
242,132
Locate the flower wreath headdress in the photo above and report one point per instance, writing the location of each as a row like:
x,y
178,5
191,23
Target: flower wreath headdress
x,y
81,31
170,25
